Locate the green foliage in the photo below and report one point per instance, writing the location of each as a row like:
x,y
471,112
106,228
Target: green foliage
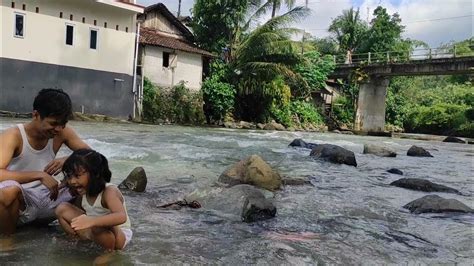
x,y
441,118
348,30
177,105
325,46
306,113
343,110
218,98
314,70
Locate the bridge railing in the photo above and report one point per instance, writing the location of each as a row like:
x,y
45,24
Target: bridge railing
x,y
401,57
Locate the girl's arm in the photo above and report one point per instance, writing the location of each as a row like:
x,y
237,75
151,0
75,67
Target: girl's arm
x,y
111,199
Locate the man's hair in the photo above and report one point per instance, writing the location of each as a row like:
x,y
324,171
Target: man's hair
x,y
53,103
93,163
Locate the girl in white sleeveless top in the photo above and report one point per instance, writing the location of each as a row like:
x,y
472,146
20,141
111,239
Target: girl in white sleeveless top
x,y
102,216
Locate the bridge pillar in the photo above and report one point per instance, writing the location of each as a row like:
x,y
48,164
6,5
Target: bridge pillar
x,y
370,115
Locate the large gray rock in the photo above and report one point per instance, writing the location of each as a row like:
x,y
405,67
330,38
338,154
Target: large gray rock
x,y
253,170
274,126
418,152
454,140
334,154
241,202
422,185
135,181
436,204
379,150
303,144
395,171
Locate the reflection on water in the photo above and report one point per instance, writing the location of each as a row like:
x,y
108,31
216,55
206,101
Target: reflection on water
x,y
350,216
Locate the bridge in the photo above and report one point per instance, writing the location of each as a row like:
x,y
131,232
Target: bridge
x,y
375,70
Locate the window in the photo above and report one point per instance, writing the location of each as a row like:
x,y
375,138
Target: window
x,y
83,20
69,34
105,24
166,59
24,7
60,14
93,42
19,25
116,27
126,29
13,4
37,9
70,17
95,22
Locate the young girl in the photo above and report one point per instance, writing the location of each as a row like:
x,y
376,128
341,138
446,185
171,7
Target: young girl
x,y
102,215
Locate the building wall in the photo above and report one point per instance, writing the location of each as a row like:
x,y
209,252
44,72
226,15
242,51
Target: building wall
x,y
100,79
188,68
45,34
157,21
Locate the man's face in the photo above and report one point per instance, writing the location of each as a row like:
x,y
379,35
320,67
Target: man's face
x,y
50,126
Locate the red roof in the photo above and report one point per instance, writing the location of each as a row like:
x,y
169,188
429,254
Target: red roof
x,y
154,37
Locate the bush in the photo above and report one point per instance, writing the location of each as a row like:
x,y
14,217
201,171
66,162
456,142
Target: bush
x,y
343,110
306,113
177,105
441,118
218,99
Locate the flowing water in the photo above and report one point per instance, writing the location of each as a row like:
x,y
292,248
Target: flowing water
x,y
349,216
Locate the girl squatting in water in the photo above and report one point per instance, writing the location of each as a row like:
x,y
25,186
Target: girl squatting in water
x,y
102,216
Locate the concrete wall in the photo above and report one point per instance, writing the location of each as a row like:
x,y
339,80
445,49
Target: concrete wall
x,y
100,79
188,68
45,34
370,115
98,91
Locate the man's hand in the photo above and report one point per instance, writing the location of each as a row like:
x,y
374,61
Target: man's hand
x,y
55,166
51,184
82,222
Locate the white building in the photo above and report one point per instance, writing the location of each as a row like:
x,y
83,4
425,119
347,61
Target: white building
x,y
85,47
167,54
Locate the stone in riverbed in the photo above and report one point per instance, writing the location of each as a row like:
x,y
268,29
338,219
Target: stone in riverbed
x,y
395,171
436,204
334,154
302,143
379,150
454,140
135,181
422,185
253,170
418,152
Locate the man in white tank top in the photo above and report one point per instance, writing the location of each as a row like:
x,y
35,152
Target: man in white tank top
x,y
28,190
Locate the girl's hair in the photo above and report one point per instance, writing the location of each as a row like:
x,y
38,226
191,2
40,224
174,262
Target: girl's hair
x,y
92,162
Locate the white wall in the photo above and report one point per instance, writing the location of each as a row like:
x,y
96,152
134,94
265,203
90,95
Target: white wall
x,y
188,68
45,34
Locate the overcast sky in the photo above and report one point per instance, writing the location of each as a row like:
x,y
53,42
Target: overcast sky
x,y
431,21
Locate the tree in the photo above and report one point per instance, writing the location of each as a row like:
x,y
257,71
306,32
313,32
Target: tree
x,y
385,32
276,4
348,30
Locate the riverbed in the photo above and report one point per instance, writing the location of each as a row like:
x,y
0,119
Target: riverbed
x,y
349,215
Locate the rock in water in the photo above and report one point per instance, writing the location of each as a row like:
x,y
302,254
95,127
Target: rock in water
x,y
242,202
422,185
454,140
418,152
436,204
253,171
395,171
378,150
302,143
334,154
135,181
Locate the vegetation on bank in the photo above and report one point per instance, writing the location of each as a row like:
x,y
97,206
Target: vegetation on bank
x,y
262,74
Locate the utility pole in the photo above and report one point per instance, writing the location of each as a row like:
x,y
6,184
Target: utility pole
x,y
368,13
179,8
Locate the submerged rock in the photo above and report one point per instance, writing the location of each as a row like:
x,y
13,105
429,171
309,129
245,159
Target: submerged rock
x,y
253,170
135,181
454,140
418,152
379,150
242,202
422,185
302,143
334,154
296,182
395,171
436,204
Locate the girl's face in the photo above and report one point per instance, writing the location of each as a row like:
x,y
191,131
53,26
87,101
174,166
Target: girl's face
x,y
79,181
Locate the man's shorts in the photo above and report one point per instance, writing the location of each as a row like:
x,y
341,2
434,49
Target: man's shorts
x,y
39,207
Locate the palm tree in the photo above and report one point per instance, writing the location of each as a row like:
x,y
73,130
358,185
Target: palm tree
x,y
267,52
276,4
348,29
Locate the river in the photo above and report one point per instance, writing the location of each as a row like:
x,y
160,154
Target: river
x,y
349,216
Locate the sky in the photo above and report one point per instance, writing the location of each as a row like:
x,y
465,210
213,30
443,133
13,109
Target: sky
x,y
433,21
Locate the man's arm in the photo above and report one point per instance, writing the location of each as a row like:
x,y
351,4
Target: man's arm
x,y
73,142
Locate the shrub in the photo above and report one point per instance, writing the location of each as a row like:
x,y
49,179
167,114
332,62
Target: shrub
x,y
343,110
218,99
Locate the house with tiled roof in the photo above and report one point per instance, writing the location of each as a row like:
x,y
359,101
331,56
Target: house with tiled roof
x,y
85,47
167,53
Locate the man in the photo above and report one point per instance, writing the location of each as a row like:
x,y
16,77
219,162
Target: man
x,y
28,191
